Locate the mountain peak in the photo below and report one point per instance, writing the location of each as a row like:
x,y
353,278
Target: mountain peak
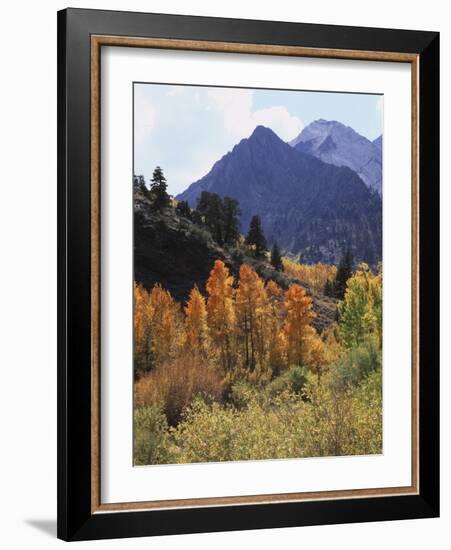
x,y
335,143
263,132
324,122
290,191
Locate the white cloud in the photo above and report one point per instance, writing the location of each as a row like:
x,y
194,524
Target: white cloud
x,y
285,125
235,107
145,116
239,120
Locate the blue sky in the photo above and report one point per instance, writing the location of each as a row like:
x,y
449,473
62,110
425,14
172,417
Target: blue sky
x,y
186,129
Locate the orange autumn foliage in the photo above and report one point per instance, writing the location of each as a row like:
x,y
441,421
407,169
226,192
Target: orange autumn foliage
x,y
157,322
142,326
221,312
174,383
196,327
166,321
297,327
251,333
251,307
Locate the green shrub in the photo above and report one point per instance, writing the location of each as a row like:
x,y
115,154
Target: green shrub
x,y
150,436
357,364
323,421
293,380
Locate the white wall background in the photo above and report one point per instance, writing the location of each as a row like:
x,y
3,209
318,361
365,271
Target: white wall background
x,y
28,272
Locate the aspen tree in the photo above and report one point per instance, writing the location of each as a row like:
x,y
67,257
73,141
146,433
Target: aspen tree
x,y
221,313
297,323
197,338
251,304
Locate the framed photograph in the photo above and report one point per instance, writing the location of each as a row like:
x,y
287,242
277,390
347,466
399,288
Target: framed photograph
x,y
248,274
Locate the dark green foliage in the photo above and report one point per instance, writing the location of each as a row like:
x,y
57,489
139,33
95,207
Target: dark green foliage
x,y
344,272
158,189
256,237
210,207
231,220
196,217
139,183
221,216
276,258
237,257
183,209
328,288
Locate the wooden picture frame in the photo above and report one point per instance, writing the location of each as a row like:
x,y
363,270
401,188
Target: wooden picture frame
x,y
81,35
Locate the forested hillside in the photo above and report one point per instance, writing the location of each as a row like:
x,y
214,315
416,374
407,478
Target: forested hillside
x,y
240,350
176,246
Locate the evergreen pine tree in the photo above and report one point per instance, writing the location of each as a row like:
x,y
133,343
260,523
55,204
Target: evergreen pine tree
x,y
210,207
183,209
328,288
344,272
139,183
276,258
255,237
158,189
231,220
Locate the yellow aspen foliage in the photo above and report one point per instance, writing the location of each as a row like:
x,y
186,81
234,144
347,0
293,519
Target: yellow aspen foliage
x,y
251,309
317,355
361,309
168,334
331,339
375,305
275,300
315,276
196,328
142,320
221,313
297,327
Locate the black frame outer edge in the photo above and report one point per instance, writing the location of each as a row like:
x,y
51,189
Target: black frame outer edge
x,y
75,521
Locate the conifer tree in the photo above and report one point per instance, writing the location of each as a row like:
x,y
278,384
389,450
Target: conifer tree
x,y
275,335
328,288
158,189
210,207
276,258
256,237
140,183
183,209
231,220
344,272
